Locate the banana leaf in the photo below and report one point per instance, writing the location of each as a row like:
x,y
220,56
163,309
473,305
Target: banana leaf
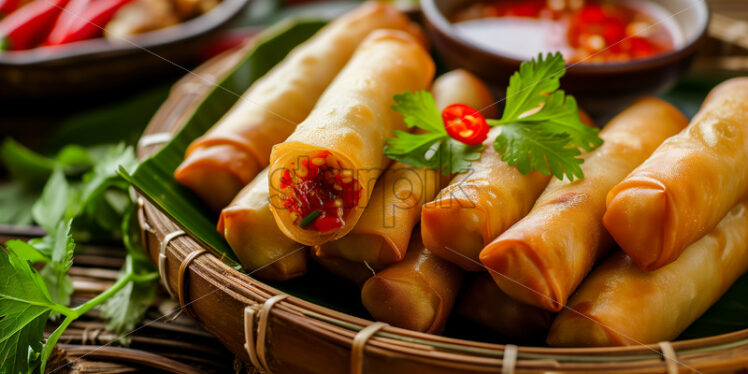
x,y
154,179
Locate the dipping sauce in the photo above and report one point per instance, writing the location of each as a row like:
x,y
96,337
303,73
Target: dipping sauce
x,y
591,31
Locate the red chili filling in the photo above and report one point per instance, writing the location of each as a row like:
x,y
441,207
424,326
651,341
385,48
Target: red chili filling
x,y
319,195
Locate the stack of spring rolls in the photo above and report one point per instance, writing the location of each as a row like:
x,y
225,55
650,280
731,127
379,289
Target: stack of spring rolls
x,y
634,252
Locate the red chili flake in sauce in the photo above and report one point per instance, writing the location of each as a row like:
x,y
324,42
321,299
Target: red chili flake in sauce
x,y
315,185
595,31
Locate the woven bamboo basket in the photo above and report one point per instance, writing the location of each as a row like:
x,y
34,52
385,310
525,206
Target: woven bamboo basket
x,y
280,333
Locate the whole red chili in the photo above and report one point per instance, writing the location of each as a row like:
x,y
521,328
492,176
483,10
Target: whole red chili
x,y
465,124
28,26
90,23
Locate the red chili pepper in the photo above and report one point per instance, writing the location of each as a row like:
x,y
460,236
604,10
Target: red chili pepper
x,y
66,21
91,22
325,224
28,26
465,124
8,6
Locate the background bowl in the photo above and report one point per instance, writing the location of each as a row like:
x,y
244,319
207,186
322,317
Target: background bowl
x,y
601,88
94,65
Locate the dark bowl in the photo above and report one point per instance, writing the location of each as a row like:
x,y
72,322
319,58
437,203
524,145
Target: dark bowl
x,y
602,88
95,65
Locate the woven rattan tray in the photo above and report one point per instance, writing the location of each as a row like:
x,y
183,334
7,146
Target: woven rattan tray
x,y
285,334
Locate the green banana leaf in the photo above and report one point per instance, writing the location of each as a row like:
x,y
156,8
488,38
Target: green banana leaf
x,y
153,177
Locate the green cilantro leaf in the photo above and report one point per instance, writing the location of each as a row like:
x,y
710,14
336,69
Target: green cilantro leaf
x,y
53,204
457,156
25,306
534,148
27,252
528,86
55,273
15,204
420,110
128,306
560,115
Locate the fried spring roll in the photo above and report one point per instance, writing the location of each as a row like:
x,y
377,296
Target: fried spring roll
x,y
416,293
355,272
249,228
221,162
477,206
690,182
382,234
622,305
322,176
480,204
485,303
543,257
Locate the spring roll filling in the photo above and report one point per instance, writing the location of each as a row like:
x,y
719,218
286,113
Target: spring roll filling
x,y
319,192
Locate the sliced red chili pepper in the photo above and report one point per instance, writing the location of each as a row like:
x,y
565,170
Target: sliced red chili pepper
x,y
91,22
28,26
66,21
465,124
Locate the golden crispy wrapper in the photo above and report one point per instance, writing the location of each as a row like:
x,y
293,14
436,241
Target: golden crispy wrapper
x,y
688,185
416,293
249,228
383,232
485,303
221,162
477,206
544,256
622,305
352,120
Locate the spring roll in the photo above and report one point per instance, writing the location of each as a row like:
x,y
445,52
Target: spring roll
x,y
355,272
690,182
480,204
485,303
322,176
619,304
543,257
382,234
416,293
249,228
218,164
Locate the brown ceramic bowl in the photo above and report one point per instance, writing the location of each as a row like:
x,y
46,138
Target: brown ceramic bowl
x,y
601,88
97,65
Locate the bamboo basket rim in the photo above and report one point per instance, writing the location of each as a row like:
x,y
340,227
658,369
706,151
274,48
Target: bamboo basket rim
x,y
719,352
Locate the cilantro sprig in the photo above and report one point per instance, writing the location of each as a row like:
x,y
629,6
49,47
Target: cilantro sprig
x,y
540,128
82,197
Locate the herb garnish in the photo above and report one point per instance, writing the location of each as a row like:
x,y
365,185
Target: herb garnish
x,y
541,129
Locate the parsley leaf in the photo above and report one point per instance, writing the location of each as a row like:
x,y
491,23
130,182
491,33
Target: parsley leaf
x,y
420,110
560,115
528,85
128,306
534,148
433,148
55,273
15,204
53,204
25,306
